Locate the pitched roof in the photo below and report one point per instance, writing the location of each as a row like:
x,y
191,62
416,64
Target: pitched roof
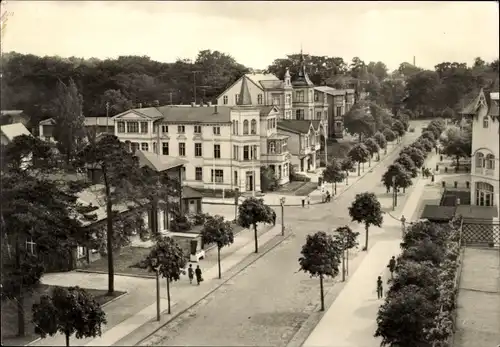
x,y
10,131
298,126
438,213
472,212
473,105
272,84
245,98
258,77
10,112
190,193
94,196
100,121
178,114
265,110
158,162
331,91
494,110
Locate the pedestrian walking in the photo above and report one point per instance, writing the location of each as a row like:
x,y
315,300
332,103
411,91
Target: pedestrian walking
x,y
308,201
199,277
190,273
379,288
274,218
392,266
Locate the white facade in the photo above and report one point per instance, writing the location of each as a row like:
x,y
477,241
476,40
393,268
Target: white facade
x,y
485,172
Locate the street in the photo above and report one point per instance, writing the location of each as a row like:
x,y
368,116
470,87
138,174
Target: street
x,y
268,302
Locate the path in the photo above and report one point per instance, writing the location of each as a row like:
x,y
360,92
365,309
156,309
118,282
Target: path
x,y
269,301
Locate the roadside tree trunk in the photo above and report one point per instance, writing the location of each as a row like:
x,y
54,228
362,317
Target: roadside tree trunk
x,y
218,261
322,293
168,294
255,237
366,237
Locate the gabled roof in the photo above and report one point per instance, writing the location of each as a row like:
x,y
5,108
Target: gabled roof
x,y
494,108
48,121
10,131
149,112
272,84
190,193
245,98
158,162
180,114
266,110
298,126
89,121
473,106
438,213
257,78
301,78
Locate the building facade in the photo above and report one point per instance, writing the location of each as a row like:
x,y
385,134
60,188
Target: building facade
x,y
485,173
224,146
94,125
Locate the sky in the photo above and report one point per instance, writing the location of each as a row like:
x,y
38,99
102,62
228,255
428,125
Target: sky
x,y
255,33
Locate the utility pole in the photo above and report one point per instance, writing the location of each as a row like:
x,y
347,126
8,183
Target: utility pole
x,y
107,116
194,84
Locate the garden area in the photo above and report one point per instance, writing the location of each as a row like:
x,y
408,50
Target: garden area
x,y
9,314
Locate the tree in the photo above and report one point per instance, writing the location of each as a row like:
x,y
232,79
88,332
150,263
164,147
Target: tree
x,y
219,231
408,164
347,165
381,141
359,154
116,101
458,145
421,91
168,259
347,239
421,274
416,155
372,147
428,135
253,211
398,128
334,174
389,135
397,176
118,167
68,311
407,69
366,209
268,179
379,69
69,128
358,121
404,317
434,129
320,258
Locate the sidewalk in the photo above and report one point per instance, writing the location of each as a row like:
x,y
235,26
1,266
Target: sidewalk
x,y
350,321
138,307
273,199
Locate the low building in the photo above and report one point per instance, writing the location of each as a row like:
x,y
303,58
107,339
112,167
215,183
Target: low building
x,y
93,125
10,131
224,146
304,142
339,103
14,116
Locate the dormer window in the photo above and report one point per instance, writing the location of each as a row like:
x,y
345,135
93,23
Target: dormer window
x,y
485,122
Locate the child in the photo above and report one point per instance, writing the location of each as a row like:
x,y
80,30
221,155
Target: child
x,y
379,288
190,273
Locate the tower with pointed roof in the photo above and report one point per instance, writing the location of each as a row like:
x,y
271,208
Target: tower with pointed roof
x,y
303,92
245,99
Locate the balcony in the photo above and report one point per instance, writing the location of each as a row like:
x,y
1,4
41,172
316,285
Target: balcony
x,y
484,171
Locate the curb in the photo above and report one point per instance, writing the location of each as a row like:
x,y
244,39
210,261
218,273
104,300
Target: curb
x,y
269,246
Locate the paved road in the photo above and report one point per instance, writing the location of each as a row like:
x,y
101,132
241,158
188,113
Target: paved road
x,y
268,302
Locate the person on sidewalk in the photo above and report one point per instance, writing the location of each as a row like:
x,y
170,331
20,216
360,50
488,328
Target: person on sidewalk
x,y
308,201
190,273
199,277
392,266
380,289
274,218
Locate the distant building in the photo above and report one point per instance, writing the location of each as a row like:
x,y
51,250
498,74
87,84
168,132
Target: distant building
x,y
10,131
95,125
339,101
485,173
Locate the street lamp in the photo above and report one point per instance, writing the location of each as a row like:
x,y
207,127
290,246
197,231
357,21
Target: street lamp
x,y
156,267
236,197
403,225
394,193
282,203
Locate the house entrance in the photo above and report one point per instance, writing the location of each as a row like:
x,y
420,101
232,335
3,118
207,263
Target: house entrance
x,y
249,181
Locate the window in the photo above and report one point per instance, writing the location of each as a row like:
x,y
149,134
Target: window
x,y
272,147
155,148
479,160
236,98
318,115
235,127
145,146
490,162
181,129
259,99
299,95
246,152
183,174
219,176
276,100
236,183
217,151
121,127
224,99
197,129
197,150
164,129
485,122
299,114
182,149
316,96
198,174
254,152
216,130
339,111
132,127
144,127
164,148
236,152
484,194
288,99
254,127
165,220
245,127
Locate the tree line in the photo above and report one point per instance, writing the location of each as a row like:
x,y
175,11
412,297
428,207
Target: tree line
x,y
30,82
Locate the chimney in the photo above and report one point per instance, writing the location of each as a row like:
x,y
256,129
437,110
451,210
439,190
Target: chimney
x,y
215,109
193,104
139,105
209,103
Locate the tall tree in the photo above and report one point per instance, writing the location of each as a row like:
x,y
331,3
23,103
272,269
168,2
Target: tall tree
x,y
407,163
381,140
379,69
218,231
366,209
396,176
398,128
69,128
320,258
347,165
359,154
334,174
68,311
117,166
253,211
372,147
347,239
358,121
415,154
458,145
